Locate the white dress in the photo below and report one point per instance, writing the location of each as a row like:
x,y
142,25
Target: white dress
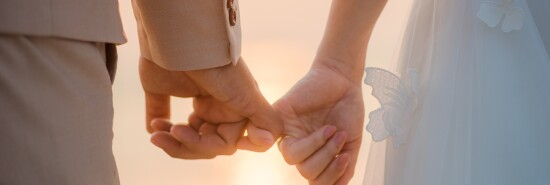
x,y
469,103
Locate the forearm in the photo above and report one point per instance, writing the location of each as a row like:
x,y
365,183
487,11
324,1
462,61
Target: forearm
x,y
347,33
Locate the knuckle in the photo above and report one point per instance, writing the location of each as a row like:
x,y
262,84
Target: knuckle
x,y
305,172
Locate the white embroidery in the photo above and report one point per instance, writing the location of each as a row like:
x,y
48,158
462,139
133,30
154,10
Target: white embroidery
x,y
398,102
492,13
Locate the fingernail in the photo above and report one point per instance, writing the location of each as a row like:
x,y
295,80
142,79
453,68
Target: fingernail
x,y
340,138
268,140
329,131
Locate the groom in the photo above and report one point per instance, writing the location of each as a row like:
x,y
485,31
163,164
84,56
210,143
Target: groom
x,y
57,63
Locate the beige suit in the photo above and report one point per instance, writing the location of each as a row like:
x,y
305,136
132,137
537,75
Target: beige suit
x,y
56,57
188,34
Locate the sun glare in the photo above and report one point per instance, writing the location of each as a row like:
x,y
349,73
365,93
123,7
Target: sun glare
x,y
260,169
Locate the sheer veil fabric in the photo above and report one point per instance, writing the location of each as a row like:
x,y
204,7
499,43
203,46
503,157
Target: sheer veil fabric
x,y
541,14
469,100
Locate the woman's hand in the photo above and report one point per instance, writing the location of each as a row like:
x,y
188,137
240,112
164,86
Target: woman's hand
x,y
323,118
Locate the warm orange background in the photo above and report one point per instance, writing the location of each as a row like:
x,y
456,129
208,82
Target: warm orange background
x,y
280,39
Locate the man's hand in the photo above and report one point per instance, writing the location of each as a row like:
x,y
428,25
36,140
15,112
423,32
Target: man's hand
x,y
324,101
226,101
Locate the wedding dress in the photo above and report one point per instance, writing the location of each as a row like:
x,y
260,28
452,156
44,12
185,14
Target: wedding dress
x,y
469,101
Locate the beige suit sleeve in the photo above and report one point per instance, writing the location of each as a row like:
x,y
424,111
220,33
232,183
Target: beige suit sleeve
x,y
184,35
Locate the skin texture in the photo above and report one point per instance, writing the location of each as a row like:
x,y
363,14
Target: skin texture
x,y
226,101
326,106
321,103
323,113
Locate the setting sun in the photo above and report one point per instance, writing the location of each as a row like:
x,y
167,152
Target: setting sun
x,y
278,48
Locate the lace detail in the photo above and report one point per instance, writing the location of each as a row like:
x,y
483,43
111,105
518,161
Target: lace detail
x,y
398,102
492,13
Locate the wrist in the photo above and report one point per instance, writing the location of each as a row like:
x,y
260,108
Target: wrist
x,y
348,67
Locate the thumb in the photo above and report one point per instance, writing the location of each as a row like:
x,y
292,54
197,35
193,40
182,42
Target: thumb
x,y
156,106
257,140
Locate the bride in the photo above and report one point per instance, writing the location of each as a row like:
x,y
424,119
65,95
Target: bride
x,y
468,103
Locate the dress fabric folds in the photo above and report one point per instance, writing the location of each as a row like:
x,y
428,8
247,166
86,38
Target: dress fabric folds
x,y
469,100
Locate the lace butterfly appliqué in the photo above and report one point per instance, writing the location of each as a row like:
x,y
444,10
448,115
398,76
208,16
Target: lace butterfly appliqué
x,y
398,99
492,13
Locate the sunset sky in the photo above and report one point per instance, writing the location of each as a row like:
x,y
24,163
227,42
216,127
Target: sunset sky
x,y
280,39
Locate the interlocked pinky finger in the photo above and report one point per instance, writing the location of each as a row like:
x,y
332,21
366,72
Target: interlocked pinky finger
x,y
195,121
258,140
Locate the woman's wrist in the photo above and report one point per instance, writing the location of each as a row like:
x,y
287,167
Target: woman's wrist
x,y
346,58
351,69
346,37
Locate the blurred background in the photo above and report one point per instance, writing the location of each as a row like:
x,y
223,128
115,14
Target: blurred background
x,y
280,40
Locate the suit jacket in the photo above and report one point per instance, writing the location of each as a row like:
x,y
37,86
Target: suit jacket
x,y
176,34
87,20
49,40
189,34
